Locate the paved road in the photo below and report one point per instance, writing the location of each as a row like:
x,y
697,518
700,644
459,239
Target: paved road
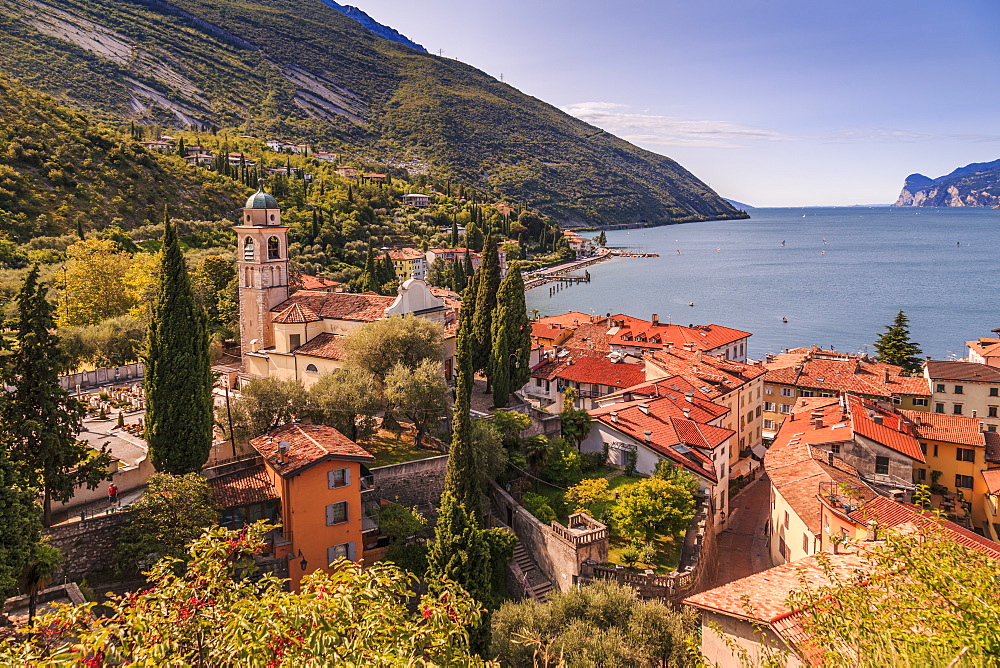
x,y
743,547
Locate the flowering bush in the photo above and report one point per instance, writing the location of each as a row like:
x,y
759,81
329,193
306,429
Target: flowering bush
x,y
214,614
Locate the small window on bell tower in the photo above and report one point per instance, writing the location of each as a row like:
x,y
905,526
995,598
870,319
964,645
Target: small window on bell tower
x,y
273,249
248,250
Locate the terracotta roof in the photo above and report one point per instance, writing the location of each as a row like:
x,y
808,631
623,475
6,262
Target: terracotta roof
x,y
889,514
762,597
316,282
992,439
364,307
309,444
985,347
242,488
295,313
671,434
672,387
405,254
601,371
895,432
794,469
855,375
570,320
968,371
716,372
948,428
992,478
323,345
643,333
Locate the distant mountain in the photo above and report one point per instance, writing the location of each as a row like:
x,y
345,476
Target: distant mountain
x,y
739,205
374,26
301,70
976,184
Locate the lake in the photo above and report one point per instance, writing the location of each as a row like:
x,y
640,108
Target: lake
x,y
842,275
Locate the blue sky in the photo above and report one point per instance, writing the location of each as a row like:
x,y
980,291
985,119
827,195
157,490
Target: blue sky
x,y
771,102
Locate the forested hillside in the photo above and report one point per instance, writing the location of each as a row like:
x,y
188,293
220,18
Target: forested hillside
x,y
60,171
297,69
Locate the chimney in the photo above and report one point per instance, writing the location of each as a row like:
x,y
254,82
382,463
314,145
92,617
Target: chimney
x,y
877,419
817,422
687,413
656,319
697,354
829,458
644,408
689,397
282,451
886,376
614,417
648,435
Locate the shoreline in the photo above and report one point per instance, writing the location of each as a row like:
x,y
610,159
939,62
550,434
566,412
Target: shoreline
x,y
555,273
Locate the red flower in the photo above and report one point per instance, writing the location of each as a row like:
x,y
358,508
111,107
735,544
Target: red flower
x,y
427,612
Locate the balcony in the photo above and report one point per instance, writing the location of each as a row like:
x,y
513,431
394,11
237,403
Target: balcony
x,y
844,498
367,481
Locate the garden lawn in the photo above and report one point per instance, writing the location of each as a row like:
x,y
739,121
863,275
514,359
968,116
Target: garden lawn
x,y
388,448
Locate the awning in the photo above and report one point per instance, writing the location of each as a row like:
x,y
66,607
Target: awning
x,y
759,451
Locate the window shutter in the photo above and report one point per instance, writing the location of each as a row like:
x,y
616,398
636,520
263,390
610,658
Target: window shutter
x,y
347,477
331,554
330,484
329,514
350,552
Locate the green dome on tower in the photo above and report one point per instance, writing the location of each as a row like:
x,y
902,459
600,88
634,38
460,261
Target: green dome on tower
x,y
260,199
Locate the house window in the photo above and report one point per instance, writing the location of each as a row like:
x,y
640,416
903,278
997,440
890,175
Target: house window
x,y
991,411
805,543
785,408
835,448
995,391
769,406
294,341
881,465
248,250
750,416
939,408
956,409
923,448
965,455
273,249
311,368
935,449
342,551
940,387
768,389
958,389
919,475
825,394
919,401
991,427
786,519
769,424
336,513
758,411
338,478
787,392
783,549
963,481
806,393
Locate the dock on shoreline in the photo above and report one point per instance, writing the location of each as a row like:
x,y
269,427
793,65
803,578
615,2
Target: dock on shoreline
x,y
561,272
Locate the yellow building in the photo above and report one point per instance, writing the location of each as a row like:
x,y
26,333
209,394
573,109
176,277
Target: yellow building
x,y
812,372
955,449
408,263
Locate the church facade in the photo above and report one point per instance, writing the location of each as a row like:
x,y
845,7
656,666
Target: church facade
x,y
299,336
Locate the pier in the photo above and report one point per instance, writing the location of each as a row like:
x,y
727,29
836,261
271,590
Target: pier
x,y
560,274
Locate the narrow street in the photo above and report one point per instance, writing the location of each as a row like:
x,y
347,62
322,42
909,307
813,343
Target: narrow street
x,y
743,546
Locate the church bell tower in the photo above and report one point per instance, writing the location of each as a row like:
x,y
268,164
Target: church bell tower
x,y
262,262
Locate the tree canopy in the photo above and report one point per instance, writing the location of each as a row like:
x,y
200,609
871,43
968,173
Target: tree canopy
x,y
652,506
408,340
894,346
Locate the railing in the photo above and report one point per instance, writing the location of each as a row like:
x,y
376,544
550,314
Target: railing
x,y
367,483
594,531
648,583
368,523
844,498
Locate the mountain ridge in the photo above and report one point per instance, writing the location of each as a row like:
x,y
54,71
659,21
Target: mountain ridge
x,y
374,26
975,184
299,70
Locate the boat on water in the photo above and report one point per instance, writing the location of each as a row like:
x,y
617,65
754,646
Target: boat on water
x,y
784,320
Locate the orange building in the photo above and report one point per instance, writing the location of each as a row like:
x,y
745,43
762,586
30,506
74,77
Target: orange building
x,y
319,477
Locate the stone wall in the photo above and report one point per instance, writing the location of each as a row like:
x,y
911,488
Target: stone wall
x,y
418,483
555,549
87,546
102,376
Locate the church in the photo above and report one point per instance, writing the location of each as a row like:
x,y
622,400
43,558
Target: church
x,y
299,336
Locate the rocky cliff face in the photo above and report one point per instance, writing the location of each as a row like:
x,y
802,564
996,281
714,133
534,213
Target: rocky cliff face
x,y
977,184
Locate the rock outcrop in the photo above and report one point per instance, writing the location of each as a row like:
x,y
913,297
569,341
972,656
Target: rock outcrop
x,y
977,184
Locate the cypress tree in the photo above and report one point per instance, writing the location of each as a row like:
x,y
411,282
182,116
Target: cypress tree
x,y
315,226
40,420
895,347
79,229
388,271
464,475
20,526
469,269
509,362
178,370
454,231
486,302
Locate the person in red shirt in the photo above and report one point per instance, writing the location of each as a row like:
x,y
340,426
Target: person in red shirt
x,y
112,493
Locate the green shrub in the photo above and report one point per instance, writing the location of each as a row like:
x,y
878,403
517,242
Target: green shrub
x,y
538,505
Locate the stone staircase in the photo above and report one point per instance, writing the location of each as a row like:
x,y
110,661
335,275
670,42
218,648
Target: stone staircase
x,y
537,586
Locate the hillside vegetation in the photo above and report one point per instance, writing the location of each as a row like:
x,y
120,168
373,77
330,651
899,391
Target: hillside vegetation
x,y
298,70
59,170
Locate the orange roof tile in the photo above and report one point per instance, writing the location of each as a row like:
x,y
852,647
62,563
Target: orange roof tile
x,y
242,488
316,282
295,313
855,374
889,513
643,333
326,346
894,432
716,372
601,371
364,307
992,479
569,320
309,445
948,428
